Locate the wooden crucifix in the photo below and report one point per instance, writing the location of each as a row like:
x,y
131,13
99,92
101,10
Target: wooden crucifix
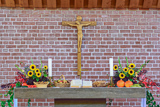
x,y
79,24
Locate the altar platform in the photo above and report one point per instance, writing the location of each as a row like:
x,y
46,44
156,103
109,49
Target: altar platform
x,y
80,97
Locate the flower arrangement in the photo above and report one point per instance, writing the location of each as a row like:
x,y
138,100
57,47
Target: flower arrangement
x,y
130,76
29,75
34,73
130,72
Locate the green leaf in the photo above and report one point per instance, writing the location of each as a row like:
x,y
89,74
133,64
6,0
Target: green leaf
x,y
127,62
9,103
41,64
18,68
32,61
142,66
37,79
29,100
131,79
45,74
18,84
120,63
3,103
118,70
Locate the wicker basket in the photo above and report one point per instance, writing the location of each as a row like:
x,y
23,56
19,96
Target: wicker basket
x,y
41,84
62,84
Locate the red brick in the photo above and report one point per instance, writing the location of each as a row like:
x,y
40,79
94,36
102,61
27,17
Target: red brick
x,y
108,23
136,46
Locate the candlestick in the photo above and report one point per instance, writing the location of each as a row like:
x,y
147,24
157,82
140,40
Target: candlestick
x,y
111,66
50,67
50,81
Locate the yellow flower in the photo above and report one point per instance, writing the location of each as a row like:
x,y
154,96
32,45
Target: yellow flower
x,y
30,73
125,69
38,74
45,67
132,65
32,67
131,72
37,70
121,75
115,67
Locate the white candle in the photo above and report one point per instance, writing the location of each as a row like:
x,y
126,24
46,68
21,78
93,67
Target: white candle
x,y
111,66
50,67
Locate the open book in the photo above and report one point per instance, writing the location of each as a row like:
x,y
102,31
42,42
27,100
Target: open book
x,y
79,83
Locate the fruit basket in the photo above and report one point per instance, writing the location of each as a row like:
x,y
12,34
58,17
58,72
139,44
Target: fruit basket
x,y
62,83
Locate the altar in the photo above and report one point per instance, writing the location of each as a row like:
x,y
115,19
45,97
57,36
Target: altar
x,y
80,97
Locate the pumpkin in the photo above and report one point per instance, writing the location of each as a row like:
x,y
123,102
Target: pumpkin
x,y
24,84
120,83
128,83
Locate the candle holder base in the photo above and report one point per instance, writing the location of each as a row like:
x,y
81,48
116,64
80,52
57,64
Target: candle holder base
x,y
111,82
50,81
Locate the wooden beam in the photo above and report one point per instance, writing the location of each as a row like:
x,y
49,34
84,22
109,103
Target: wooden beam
x,y
65,3
92,3
51,3
0,2
158,4
106,3
134,3
37,3
23,3
120,3
10,3
78,3
147,3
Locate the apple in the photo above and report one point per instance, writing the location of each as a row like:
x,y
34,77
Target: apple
x,y
61,82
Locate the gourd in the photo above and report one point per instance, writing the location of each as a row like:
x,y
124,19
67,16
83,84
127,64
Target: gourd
x,y
24,84
128,83
120,83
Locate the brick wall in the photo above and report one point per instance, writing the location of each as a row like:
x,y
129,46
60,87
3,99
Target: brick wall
x,y
26,34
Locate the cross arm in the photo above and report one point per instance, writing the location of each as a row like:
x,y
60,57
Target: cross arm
x,y
90,23
68,23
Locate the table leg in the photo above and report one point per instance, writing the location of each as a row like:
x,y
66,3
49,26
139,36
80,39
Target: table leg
x,y
143,102
15,102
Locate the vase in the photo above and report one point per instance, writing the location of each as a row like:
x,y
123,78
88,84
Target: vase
x,y
41,84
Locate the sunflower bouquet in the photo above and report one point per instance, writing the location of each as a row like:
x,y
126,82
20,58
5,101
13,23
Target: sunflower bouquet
x,y
130,72
34,73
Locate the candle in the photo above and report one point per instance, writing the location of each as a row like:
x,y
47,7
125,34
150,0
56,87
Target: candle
x,y
111,66
50,67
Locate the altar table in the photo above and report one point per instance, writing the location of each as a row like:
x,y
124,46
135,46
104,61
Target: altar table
x,y
80,97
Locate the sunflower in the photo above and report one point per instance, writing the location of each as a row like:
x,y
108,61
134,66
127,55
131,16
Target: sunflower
x,y
132,65
131,72
121,75
45,67
125,69
38,74
37,70
32,67
30,73
115,67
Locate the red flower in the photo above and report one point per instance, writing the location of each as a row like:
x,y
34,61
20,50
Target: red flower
x,y
13,85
